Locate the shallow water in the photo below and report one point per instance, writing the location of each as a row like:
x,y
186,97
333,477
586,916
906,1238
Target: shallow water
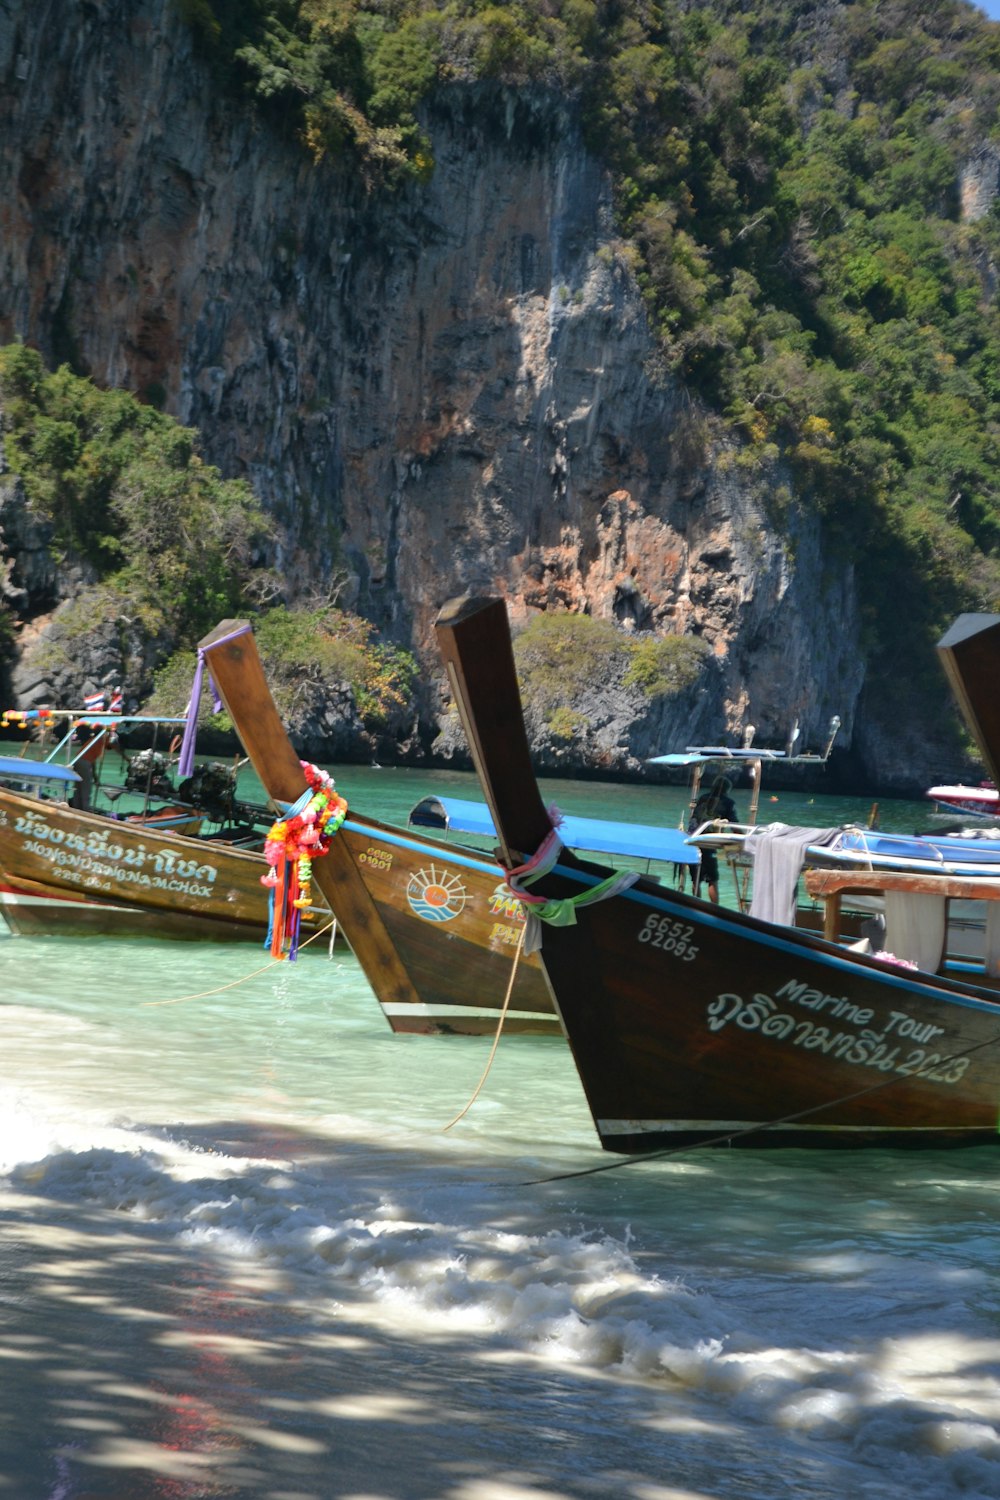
x,y
245,1251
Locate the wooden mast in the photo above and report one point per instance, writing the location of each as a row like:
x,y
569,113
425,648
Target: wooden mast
x,y
969,653
824,1047
231,654
475,643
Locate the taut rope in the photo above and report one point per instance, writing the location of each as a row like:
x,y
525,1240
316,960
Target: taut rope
x,y
737,1135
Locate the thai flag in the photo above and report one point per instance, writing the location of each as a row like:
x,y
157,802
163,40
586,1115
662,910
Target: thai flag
x,y
93,702
117,701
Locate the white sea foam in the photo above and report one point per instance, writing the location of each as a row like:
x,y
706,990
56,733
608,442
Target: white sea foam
x,y
571,1299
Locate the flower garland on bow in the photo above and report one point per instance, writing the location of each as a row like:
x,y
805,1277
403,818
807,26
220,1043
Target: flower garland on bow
x,y
562,913
293,842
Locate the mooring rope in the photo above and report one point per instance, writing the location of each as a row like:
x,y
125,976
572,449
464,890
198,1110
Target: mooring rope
x,y
496,1039
735,1135
233,983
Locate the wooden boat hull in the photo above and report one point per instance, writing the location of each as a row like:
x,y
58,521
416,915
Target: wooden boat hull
x,y
456,930
70,873
691,1024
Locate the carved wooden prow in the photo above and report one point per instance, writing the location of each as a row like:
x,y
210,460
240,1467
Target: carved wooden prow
x,y
474,638
230,652
970,655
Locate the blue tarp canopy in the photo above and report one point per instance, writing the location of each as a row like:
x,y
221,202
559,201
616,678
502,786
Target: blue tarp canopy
x,y
13,767
899,846
635,840
707,756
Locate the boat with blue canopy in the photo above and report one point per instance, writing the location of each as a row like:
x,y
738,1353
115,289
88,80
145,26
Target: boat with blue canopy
x,y
692,1024
862,849
708,754
36,772
596,835
728,758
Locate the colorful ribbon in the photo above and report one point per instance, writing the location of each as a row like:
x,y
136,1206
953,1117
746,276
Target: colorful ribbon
x,y
185,763
294,841
561,912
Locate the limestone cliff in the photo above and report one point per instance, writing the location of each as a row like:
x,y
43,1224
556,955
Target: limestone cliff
x,y
450,389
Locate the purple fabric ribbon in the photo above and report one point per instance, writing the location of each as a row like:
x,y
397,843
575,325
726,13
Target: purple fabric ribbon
x,y
185,763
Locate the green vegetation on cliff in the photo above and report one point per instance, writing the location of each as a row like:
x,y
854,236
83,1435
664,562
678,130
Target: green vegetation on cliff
x,y
306,652
327,645
789,180
122,490
566,659
168,549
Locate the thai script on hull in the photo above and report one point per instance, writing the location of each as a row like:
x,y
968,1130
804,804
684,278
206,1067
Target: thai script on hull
x,y
890,1049
48,839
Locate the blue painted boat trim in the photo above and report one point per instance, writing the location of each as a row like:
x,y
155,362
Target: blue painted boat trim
x,y
401,841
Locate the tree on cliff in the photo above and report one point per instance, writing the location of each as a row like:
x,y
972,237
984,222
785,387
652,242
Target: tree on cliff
x,y
159,534
168,548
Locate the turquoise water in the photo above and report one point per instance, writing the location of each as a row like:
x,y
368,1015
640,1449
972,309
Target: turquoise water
x,y
254,1245
395,792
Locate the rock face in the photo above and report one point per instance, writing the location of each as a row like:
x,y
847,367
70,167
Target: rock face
x,y
448,390
980,181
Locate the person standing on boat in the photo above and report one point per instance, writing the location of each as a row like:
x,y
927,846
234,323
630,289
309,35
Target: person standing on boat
x,y
92,737
713,806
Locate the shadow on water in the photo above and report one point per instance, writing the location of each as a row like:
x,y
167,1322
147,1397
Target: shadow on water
x,y
293,1285
148,1367
247,1334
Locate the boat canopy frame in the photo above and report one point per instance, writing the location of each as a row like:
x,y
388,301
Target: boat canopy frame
x,y
698,758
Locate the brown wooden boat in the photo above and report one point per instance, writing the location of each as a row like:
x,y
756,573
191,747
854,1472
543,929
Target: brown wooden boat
x,y
154,870
692,1024
432,925
970,655
67,872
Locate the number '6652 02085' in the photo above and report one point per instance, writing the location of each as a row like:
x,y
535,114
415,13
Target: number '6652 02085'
x,y
673,937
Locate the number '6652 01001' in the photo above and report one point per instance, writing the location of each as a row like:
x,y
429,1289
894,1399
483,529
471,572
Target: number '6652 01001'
x,y
673,937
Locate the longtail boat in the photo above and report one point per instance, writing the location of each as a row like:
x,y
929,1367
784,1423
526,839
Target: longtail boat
x,y
970,656
646,844
691,1024
137,866
431,924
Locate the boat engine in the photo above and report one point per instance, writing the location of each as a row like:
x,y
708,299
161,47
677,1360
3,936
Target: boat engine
x,y
212,788
147,773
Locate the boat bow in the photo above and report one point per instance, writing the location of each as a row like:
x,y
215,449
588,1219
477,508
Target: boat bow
x,y
474,638
969,653
230,651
